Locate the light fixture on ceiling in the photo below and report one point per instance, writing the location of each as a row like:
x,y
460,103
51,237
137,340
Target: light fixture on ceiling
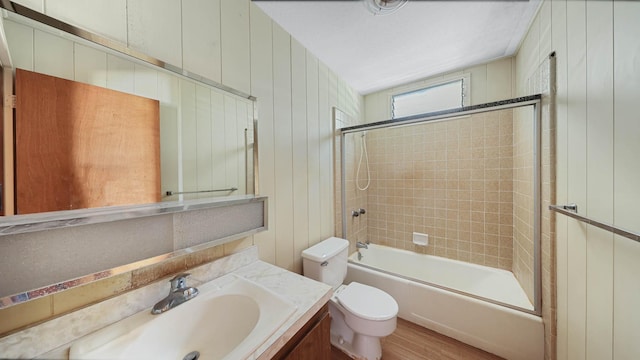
x,y
383,7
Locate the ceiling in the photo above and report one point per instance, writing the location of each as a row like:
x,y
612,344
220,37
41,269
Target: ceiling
x,y
422,39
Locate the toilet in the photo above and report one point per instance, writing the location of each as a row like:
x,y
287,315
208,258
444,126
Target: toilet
x,y
360,314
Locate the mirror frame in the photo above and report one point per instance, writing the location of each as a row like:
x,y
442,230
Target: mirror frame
x,y
15,224
18,224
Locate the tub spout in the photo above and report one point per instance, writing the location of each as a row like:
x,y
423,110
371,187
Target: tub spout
x,y
361,245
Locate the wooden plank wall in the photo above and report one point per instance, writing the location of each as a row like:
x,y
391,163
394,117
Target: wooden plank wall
x,y
598,80
235,43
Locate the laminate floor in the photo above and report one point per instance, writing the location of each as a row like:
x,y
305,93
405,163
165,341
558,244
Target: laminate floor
x,y
413,342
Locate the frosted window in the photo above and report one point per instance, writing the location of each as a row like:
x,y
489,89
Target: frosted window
x,y
434,98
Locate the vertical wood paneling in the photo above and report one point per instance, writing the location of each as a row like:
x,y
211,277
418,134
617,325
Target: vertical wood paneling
x,y
498,82
169,95
626,297
599,109
324,124
201,51
204,151
559,43
90,65
145,81
236,59
526,65
262,88
627,127
217,134
175,93
544,48
597,167
21,48
158,32
478,79
599,112
300,157
313,149
326,153
231,140
242,112
119,74
295,95
283,147
189,133
626,294
37,5
53,55
576,44
105,17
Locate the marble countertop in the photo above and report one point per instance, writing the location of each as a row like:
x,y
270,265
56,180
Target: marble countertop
x,y
52,339
309,296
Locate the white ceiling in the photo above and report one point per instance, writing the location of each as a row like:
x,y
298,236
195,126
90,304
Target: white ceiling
x,y
422,39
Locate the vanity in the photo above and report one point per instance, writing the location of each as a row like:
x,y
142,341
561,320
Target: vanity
x,y
296,321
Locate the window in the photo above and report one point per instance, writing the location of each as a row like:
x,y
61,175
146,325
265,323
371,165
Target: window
x,y
444,96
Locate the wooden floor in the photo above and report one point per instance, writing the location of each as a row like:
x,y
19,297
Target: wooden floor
x,y
413,342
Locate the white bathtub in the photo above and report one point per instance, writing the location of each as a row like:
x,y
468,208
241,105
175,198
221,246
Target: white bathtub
x,y
418,283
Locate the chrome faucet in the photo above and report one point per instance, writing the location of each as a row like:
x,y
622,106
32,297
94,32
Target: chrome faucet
x,y
178,294
361,245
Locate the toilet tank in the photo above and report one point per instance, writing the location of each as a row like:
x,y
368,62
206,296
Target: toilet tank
x,y
326,261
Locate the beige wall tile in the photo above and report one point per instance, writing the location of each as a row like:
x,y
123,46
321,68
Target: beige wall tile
x,y
451,187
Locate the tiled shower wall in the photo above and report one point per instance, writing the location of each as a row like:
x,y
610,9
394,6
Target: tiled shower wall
x,y
452,180
523,199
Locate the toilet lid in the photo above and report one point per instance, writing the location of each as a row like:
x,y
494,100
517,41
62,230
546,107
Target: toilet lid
x,y
368,302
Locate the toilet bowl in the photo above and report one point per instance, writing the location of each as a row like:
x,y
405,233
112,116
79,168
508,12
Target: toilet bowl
x,y
360,314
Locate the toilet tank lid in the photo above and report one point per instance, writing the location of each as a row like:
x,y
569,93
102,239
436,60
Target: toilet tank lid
x,y
325,249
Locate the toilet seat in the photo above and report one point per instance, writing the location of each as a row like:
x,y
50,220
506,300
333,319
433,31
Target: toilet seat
x,y
367,302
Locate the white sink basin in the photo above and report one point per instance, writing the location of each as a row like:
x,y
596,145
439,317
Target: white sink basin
x,y
229,319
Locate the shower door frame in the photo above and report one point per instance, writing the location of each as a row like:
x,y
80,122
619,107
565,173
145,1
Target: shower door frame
x,y
532,100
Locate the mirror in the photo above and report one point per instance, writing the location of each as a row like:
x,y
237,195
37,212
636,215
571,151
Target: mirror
x,y
207,136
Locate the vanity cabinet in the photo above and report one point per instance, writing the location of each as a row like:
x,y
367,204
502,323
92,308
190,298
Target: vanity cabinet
x,y
312,342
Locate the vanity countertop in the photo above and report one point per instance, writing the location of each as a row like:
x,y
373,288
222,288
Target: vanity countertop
x,y
309,296
52,339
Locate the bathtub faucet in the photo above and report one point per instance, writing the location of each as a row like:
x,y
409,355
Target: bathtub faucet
x,y
361,245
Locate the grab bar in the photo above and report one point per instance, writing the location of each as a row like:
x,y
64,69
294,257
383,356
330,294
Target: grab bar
x,y
571,210
169,193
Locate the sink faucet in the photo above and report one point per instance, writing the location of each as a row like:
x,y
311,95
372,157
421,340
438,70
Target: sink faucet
x,y
178,294
361,245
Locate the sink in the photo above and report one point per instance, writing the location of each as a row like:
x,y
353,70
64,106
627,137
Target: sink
x,y
229,319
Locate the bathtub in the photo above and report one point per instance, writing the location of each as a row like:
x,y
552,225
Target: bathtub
x,y
444,295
